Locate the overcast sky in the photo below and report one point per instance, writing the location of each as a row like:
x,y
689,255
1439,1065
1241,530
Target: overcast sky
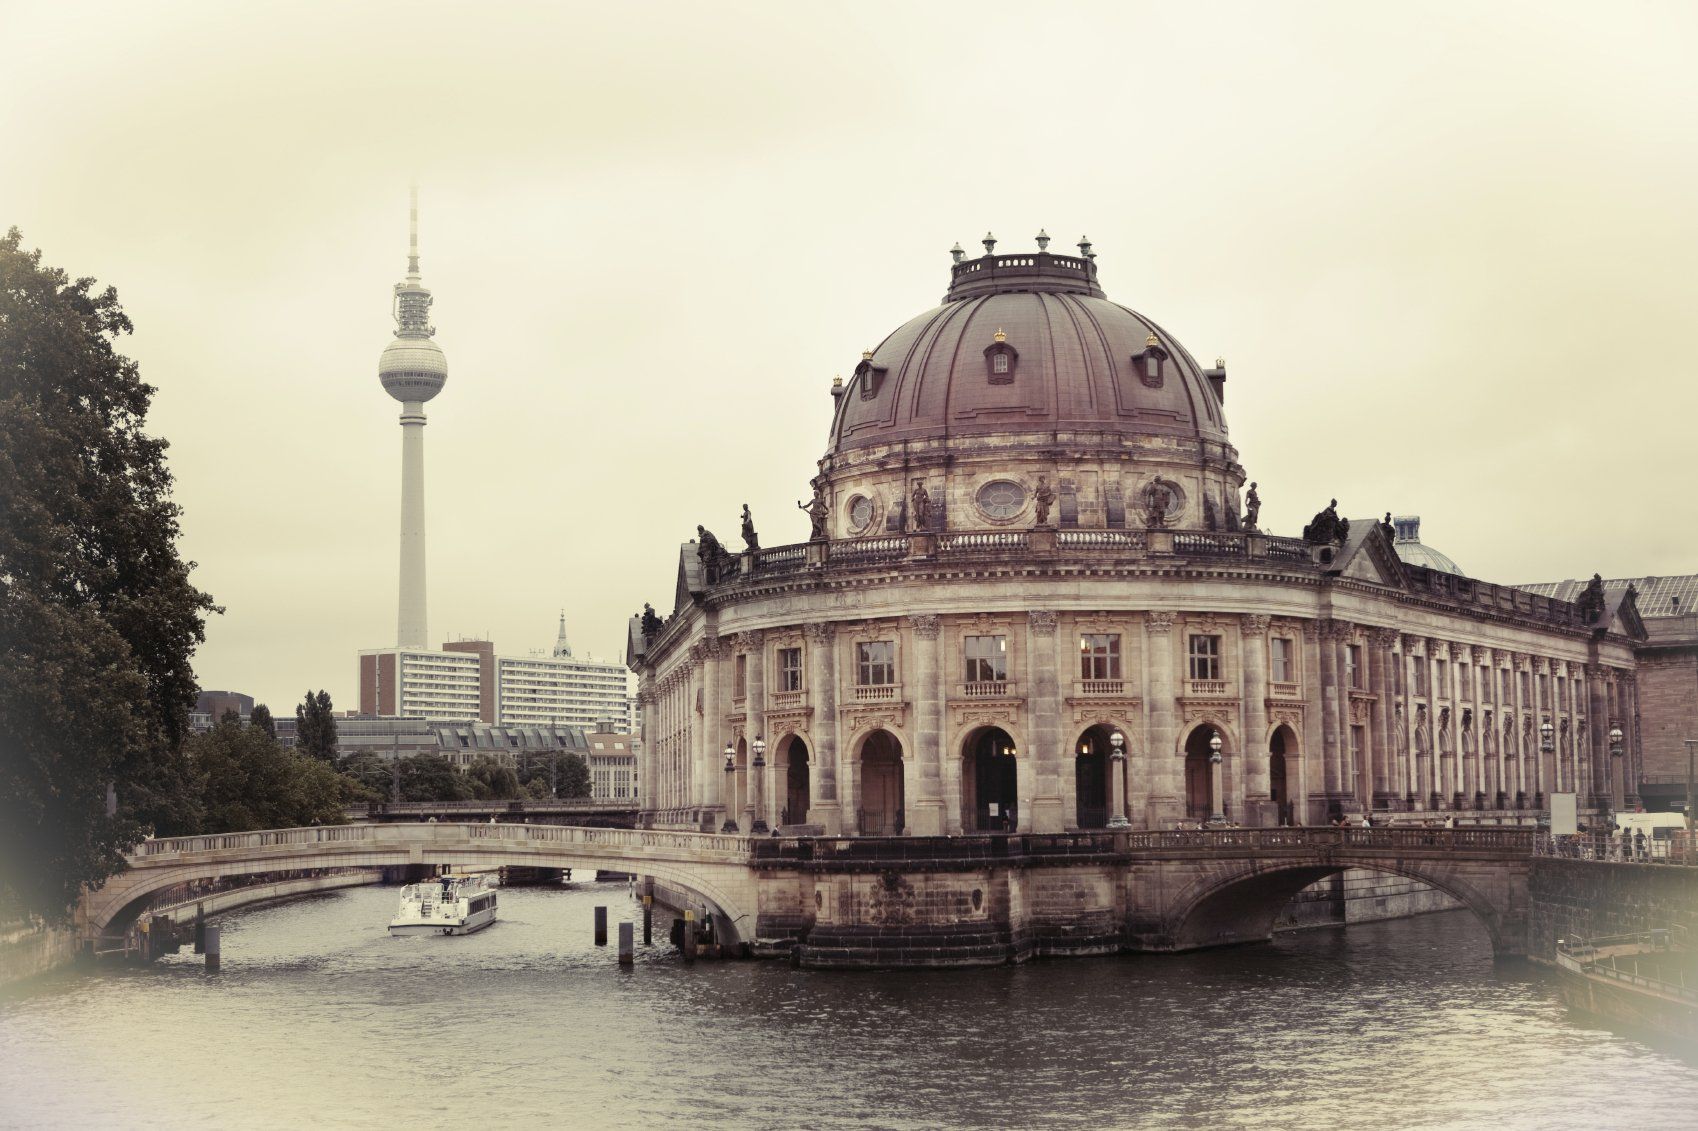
x,y
1446,250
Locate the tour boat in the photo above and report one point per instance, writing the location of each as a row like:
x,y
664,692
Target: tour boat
x,y
447,905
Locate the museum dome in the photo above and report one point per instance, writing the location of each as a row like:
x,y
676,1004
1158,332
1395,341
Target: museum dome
x,y
1412,551
1027,343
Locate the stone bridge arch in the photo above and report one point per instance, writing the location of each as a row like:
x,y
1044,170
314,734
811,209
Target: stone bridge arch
x,y
724,886
1226,902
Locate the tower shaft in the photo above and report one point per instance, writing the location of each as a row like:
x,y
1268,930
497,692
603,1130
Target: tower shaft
x,y
411,630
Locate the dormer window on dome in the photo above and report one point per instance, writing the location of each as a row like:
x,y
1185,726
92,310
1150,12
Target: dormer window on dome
x,y
870,376
1150,364
1001,359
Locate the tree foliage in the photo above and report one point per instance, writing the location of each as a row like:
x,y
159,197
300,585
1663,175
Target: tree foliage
x,y
431,777
247,780
98,619
315,727
262,719
555,773
492,780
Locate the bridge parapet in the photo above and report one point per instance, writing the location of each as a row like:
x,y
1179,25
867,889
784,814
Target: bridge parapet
x,y
715,846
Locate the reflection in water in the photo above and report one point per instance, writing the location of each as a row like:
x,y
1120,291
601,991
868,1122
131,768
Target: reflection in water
x,y
321,1017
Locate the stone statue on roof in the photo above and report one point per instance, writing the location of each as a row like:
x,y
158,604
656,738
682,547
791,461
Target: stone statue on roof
x,y
1157,500
751,540
712,555
651,622
920,507
1252,509
818,510
1387,528
1591,599
1044,497
1327,528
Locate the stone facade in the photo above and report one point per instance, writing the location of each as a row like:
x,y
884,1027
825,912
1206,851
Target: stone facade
x,y
938,660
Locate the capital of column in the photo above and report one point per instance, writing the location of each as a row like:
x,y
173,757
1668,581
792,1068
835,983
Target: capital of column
x,y
820,631
925,625
1041,620
1384,637
748,641
1337,631
1254,624
1160,624
711,647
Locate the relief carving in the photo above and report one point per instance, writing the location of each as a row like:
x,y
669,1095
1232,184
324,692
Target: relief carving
x,y
1159,624
1255,625
1041,620
925,625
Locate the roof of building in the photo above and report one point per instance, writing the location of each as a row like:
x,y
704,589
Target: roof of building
x,y
1411,549
1071,359
1658,596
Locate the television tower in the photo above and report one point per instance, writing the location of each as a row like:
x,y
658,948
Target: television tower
x,y
413,370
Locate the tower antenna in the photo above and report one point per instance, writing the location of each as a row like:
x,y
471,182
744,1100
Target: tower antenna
x,y
413,232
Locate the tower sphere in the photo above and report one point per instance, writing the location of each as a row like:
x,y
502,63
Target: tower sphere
x,y
412,369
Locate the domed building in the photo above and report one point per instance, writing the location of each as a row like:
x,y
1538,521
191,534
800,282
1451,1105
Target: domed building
x,y
1036,599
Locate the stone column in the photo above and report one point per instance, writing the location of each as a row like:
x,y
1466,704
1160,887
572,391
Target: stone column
x,y
1043,706
1378,782
822,674
714,733
1166,767
754,724
925,815
1309,794
1598,711
1330,680
1633,767
1257,808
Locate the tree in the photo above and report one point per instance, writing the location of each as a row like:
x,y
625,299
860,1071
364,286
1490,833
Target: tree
x,y
247,780
98,619
369,774
431,777
261,718
315,727
492,780
574,776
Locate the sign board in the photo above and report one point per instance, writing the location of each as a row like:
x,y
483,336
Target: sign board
x,y
994,810
1565,814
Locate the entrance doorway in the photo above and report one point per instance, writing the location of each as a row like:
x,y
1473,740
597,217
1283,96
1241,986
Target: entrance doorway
x,y
795,783
1199,781
881,785
989,782
1278,791
1093,785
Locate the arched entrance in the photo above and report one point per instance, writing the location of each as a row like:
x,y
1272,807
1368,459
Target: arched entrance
x,y
1093,783
794,759
990,793
881,785
1199,780
1278,789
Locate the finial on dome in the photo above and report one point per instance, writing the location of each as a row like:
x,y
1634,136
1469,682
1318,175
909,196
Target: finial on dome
x,y
1043,240
999,335
990,243
866,355
956,254
1220,363
1085,247
837,385
1151,340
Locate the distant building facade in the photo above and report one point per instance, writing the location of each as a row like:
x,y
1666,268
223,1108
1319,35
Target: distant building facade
x,y
613,765
461,742
467,679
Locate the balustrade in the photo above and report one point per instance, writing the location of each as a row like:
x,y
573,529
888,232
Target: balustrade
x,y
1100,687
878,693
988,689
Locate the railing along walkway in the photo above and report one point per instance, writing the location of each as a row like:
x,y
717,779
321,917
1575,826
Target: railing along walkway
x,y
1644,961
1679,850
677,845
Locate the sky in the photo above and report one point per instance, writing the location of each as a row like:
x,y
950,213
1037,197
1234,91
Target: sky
x,y
1446,251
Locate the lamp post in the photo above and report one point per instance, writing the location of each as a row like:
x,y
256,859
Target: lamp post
x,y
1117,780
758,825
1547,746
730,825
1615,770
1691,744
1216,815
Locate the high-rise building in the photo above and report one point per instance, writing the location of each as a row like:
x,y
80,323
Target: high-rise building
x,y
466,679
413,370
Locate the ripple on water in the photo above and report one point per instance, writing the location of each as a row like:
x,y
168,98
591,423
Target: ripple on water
x,y
320,1017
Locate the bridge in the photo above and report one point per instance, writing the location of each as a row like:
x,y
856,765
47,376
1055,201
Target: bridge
x,y
553,810
893,901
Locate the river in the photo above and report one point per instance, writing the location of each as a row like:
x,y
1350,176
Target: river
x,y
320,1018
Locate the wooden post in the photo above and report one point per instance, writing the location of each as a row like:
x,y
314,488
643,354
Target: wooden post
x,y
200,928
689,936
601,926
212,944
648,920
627,944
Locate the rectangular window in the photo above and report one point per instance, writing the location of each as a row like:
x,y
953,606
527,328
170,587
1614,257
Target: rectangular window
x,y
999,363
987,658
1544,689
1466,674
1284,657
1099,655
1205,656
1526,695
1441,674
875,663
1358,738
1418,673
740,676
789,669
1556,701
1353,666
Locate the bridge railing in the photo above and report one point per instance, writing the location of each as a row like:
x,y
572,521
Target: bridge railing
x,y
1327,836
1680,850
379,836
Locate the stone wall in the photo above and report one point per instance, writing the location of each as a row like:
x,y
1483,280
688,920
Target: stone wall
x,y
28,951
1360,895
1569,898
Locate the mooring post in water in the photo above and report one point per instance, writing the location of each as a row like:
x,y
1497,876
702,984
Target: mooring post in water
x,y
648,920
689,936
212,948
627,944
200,928
601,926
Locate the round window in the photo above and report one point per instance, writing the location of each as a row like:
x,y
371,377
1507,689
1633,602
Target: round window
x,y
860,513
1001,499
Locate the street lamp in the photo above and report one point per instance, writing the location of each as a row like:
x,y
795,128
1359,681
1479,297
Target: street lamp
x,y
1216,816
758,825
1547,745
1117,780
730,825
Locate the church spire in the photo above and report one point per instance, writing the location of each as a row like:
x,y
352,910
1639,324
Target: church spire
x,y
562,650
